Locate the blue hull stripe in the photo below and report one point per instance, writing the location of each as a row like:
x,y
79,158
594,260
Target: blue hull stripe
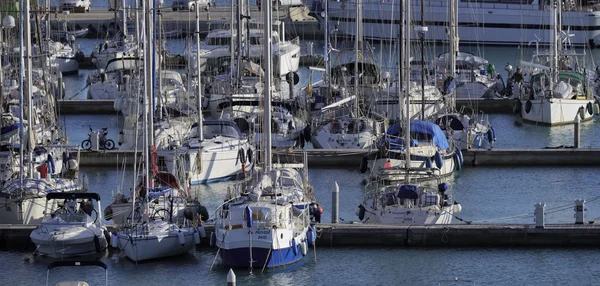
x,y
240,257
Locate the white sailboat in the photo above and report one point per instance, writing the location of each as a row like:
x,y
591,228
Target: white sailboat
x,y
213,150
266,225
40,171
343,125
427,143
390,200
157,236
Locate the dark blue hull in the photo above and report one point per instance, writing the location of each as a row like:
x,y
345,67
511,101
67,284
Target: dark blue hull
x,y
240,257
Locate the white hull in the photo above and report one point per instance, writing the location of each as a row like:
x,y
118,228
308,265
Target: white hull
x,y
104,90
407,216
30,211
146,247
488,23
327,140
68,64
379,165
555,111
67,241
215,166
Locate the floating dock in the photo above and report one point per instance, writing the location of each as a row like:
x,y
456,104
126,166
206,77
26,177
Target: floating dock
x,y
351,159
95,106
16,237
459,235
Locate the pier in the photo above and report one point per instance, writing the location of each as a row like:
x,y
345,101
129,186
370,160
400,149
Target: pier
x,y
459,235
99,106
351,159
16,237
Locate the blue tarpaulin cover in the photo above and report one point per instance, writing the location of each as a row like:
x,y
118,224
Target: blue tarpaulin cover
x,y
419,126
410,192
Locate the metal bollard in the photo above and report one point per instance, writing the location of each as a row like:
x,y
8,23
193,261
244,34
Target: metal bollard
x,y
579,211
577,139
231,280
335,206
540,215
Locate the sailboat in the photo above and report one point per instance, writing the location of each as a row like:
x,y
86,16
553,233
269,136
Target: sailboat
x,y
389,200
214,150
265,222
428,143
41,169
343,125
465,76
558,89
157,236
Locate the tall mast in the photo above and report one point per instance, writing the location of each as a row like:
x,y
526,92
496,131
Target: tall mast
x,y
29,84
357,47
267,88
147,89
22,86
555,43
454,40
326,59
199,91
152,68
422,30
407,32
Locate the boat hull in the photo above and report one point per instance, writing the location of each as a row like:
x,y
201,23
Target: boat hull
x,y
553,112
240,257
29,211
56,245
153,247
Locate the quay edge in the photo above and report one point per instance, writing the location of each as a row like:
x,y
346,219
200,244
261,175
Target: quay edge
x,y
351,159
16,237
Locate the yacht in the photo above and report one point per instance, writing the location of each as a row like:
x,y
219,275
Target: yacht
x,y
75,228
558,86
424,203
222,154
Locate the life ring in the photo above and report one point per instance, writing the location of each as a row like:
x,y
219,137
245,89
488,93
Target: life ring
x,y
517,107
528,106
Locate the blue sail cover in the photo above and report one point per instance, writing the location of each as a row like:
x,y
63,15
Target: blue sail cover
x,y
410,192
426,127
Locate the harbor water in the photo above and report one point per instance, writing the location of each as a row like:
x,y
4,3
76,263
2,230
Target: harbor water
x,y
487,195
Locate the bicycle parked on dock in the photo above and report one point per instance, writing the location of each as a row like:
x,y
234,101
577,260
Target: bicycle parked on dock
x,y
103,142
